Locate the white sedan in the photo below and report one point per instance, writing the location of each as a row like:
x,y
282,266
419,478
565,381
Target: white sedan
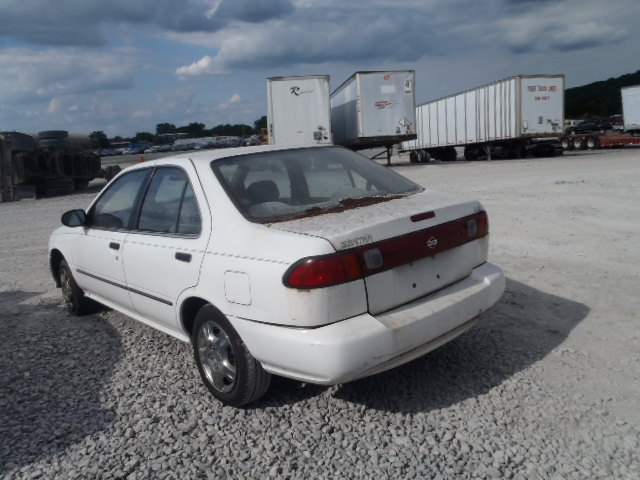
x,y
315,263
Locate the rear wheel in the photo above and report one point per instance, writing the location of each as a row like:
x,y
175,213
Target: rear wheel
x,y
566,143
225,364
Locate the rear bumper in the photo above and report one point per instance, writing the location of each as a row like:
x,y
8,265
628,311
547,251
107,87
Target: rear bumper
x,y
365,345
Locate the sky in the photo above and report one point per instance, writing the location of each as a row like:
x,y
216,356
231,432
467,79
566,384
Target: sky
x,y
123,66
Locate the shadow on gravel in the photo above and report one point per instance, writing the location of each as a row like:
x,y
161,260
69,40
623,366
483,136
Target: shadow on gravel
x,y
52,368
522,328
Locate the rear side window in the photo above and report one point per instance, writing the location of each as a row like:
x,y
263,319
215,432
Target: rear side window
x,y
287,184
169,205
113,209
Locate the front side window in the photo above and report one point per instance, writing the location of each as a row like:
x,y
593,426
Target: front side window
x,y
169,206
296,183
112,211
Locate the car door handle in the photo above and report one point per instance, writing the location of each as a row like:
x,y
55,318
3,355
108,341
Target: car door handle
x,y
114,246
183,257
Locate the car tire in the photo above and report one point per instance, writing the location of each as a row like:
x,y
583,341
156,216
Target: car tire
x,y
225,364
72,294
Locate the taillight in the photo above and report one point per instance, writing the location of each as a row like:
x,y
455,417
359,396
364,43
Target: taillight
x,y
323,271
476,226
483,223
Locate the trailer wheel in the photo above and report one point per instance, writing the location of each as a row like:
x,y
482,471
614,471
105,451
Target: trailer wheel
x,y
578,143
414,157
424,156
449,154
593,143
471,153
566,143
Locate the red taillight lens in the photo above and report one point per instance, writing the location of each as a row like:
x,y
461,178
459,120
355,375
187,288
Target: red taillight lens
x,y
483,224
324,271
476,226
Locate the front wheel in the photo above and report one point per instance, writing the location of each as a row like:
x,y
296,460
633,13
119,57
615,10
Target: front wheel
x,y
72,294
225,364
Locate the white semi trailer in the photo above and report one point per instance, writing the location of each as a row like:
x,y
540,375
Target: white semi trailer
x,y
374,109
298,110
506,118
631,108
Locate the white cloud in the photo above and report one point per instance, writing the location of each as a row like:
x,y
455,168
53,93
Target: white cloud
x,y
142,114
547,29
54,105
202,67
235,99
83,23
586,35
51,73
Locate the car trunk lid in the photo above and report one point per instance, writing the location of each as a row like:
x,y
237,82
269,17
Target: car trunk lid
x,y
408,247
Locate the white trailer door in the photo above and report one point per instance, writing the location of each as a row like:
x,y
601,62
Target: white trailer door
x,y
299,110
542,105
388,103
631,107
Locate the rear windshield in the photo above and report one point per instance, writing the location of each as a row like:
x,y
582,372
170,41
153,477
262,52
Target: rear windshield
x,y
286,184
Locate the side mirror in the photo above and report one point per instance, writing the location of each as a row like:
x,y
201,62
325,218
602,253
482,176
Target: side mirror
x,y
74,218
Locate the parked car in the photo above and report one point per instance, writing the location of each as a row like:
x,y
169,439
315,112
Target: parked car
x,y
617,122
315,263
591,125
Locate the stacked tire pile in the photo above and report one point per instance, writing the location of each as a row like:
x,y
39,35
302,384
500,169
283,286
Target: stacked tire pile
x,y
65,161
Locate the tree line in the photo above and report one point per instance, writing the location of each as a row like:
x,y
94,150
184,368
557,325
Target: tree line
x,y
598,99
192,130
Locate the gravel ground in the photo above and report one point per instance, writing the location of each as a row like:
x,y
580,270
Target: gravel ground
x,y
545,386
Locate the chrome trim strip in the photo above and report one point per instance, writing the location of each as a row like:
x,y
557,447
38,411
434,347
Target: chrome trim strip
x,y
124,287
